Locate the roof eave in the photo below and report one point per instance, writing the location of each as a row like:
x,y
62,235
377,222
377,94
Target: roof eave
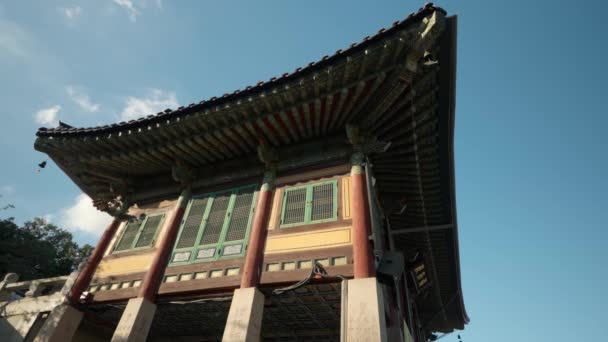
x,y
251,90
451,31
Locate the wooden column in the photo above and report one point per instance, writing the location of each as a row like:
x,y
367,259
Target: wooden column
x,y
362,250
153,279
137,318
252,268
244,321
84,279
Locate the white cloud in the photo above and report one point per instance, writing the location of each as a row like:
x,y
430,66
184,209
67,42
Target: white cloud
x,y
48,116
33,60
135,8
72,12
156,101
7,190
48,217
14,41
83,216
82,99
128,6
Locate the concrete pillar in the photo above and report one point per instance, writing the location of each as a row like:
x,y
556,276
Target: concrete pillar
x,y
35,289
137,318
135,321
60,325
363,311
245,316
363,261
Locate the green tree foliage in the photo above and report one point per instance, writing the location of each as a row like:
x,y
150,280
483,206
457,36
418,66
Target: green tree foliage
x,y
38,249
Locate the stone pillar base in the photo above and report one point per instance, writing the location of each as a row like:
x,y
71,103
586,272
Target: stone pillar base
x,y
135,321
362,311
245,316
60,325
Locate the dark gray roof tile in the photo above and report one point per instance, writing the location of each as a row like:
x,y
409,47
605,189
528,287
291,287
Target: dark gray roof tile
x,y
326,60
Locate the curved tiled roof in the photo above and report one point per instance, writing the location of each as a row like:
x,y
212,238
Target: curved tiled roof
x,y
369,84
241,93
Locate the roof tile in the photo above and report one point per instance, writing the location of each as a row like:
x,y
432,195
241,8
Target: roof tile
x,y
427,9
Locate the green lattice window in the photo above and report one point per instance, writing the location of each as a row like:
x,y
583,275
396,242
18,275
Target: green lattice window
x,y
308,204
216,226
139,234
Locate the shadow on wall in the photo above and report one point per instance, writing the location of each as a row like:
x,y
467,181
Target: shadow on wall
x,y
24,327
89,331
38,323
8,331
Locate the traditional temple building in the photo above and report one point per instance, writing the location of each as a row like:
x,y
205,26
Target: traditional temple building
x,y
316,206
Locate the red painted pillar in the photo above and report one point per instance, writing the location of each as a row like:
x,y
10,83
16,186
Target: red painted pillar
x,y
257,238
84,278
362,250
153,279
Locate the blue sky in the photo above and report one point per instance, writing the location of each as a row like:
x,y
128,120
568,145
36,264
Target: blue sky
x,y
530,148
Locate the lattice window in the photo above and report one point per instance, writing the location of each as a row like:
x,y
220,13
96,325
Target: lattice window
x,y
148,231
295,206
322,202
139,233
128,236
312,203
239,221
192,224
216,226
215,221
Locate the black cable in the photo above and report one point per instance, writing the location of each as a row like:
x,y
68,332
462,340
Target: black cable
x,y
316,270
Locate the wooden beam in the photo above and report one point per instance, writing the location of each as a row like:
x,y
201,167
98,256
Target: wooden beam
x,y
422,229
